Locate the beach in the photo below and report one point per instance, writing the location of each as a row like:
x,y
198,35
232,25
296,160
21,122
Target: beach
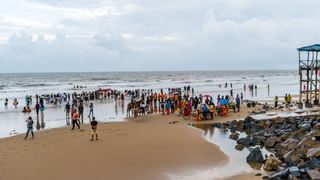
x,y
154,146
148,147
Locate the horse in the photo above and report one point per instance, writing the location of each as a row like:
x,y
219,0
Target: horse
x,y
130,107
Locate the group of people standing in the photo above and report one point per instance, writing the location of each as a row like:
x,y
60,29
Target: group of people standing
x,y
287,101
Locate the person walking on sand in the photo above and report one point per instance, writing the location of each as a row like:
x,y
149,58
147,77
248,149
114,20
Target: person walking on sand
x,y
80,109
75,119
90,110
30,127
94,127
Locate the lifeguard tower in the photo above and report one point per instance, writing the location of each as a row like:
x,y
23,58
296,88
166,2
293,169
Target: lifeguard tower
x,y
309,71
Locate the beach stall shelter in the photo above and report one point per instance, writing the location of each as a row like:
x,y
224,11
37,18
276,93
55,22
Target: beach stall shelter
x,y
309,71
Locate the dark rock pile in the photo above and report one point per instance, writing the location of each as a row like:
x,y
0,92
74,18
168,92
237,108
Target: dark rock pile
x,y
295,142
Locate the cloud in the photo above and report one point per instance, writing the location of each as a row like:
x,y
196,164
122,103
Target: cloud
x,y
99,35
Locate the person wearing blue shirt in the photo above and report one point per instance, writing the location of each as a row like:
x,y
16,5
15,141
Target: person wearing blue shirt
x,y
238,101
204,110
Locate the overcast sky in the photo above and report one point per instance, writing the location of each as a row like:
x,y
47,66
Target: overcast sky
x,y
133,35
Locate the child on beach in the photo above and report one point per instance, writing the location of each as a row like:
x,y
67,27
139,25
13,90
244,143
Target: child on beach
x,y
30,127
94,127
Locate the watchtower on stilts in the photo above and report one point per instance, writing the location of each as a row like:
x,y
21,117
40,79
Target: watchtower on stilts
x,y
309,71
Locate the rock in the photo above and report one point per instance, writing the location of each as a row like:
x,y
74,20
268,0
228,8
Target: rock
x,y
239,147
294,171
317,126
255,156
240,125
307,143
246,141
280,175
313,163
305,126
272,164
294,157
234,136
218,125
258,140
258,174
313,152
278,120
271,142
314,174
262,123
284,147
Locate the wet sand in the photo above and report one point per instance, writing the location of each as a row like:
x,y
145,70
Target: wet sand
x,y
142,148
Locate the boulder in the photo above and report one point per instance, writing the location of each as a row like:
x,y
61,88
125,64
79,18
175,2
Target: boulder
x,y
239,147
294,157
240,125
271,142
234,136
288,145
314,174
262,123
280,175
255,156
278,120
218,125
272,163
313,152
305,126
259,140
294,171
246,141
313,163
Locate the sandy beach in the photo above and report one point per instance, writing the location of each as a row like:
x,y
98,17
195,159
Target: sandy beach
x,y
144,148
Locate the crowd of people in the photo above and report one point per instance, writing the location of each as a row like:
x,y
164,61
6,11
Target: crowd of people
x,y
183,102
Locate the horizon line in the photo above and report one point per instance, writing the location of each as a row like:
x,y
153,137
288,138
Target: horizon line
x,y
136,71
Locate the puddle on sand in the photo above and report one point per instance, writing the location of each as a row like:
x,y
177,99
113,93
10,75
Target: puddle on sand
x,y
237,163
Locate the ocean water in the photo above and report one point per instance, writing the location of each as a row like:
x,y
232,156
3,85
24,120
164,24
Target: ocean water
x,y
20,84
204,82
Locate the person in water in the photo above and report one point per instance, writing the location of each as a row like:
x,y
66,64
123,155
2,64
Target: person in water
x,y
6,102
30,127
81,109
90,110
67,110
15,102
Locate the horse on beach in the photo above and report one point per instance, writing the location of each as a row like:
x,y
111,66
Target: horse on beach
x,y
131,108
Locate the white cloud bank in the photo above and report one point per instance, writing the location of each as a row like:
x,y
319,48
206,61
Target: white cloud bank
x,y
133,35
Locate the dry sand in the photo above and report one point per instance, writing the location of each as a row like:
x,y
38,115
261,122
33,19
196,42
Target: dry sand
x,y
143,148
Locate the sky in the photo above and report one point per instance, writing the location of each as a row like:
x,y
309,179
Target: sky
x,y
146,35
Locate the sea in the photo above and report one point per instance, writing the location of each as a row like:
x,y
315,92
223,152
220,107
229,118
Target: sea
x,y
18,85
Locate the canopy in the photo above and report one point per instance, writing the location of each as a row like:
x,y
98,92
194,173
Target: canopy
x,y
315,47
